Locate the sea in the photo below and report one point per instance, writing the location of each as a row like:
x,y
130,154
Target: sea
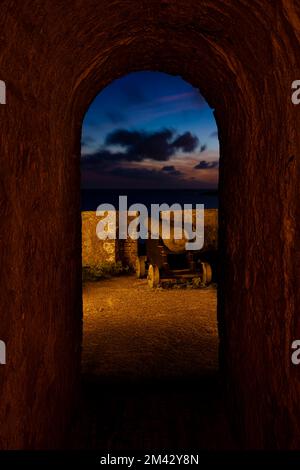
x,y
92,198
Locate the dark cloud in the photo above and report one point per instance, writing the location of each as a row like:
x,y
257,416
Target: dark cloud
x,y
171,170
115,117
124,138
168,168
186,142
123,147
141,145
204,165
159,145
203,148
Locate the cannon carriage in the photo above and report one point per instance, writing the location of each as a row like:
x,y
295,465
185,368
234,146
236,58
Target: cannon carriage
x,y
167,259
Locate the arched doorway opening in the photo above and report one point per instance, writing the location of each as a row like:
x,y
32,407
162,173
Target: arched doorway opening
x,y
152,138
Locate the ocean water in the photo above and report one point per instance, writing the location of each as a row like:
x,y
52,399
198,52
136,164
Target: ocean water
x,y
92,198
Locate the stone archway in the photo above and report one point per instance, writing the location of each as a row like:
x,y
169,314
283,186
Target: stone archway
x,y
55,58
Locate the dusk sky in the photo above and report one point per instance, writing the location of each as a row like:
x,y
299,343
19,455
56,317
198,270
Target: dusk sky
x,y
149,130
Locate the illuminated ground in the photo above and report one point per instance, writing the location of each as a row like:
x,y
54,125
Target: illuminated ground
x,y
131,330
150,368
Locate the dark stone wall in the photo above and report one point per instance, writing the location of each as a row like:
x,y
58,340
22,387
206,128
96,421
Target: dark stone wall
x,y
55,57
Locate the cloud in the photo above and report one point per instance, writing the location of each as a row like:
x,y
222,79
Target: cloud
x,y
159,145
203,148
133,157
124,137
186,142
171,170
141,174
138,146
168,168
181,96
204,165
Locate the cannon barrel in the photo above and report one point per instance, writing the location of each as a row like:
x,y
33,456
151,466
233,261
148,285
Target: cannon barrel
x,y
178,245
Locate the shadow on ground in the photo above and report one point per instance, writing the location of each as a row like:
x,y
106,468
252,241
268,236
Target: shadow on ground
x,y
170,414
150,373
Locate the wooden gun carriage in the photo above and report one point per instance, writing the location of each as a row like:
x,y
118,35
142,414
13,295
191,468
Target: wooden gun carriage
x,y
167,259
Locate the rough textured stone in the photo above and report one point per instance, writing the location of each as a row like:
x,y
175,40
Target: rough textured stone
x,y
94,250
55,57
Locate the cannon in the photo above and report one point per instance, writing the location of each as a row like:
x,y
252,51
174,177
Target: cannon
x,y
167,259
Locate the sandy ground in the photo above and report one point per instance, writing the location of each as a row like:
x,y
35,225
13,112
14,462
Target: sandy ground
x,y
131,330
150,369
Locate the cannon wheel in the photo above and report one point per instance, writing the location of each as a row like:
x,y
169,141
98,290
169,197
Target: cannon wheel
x,y
206,273
153,275
140,267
